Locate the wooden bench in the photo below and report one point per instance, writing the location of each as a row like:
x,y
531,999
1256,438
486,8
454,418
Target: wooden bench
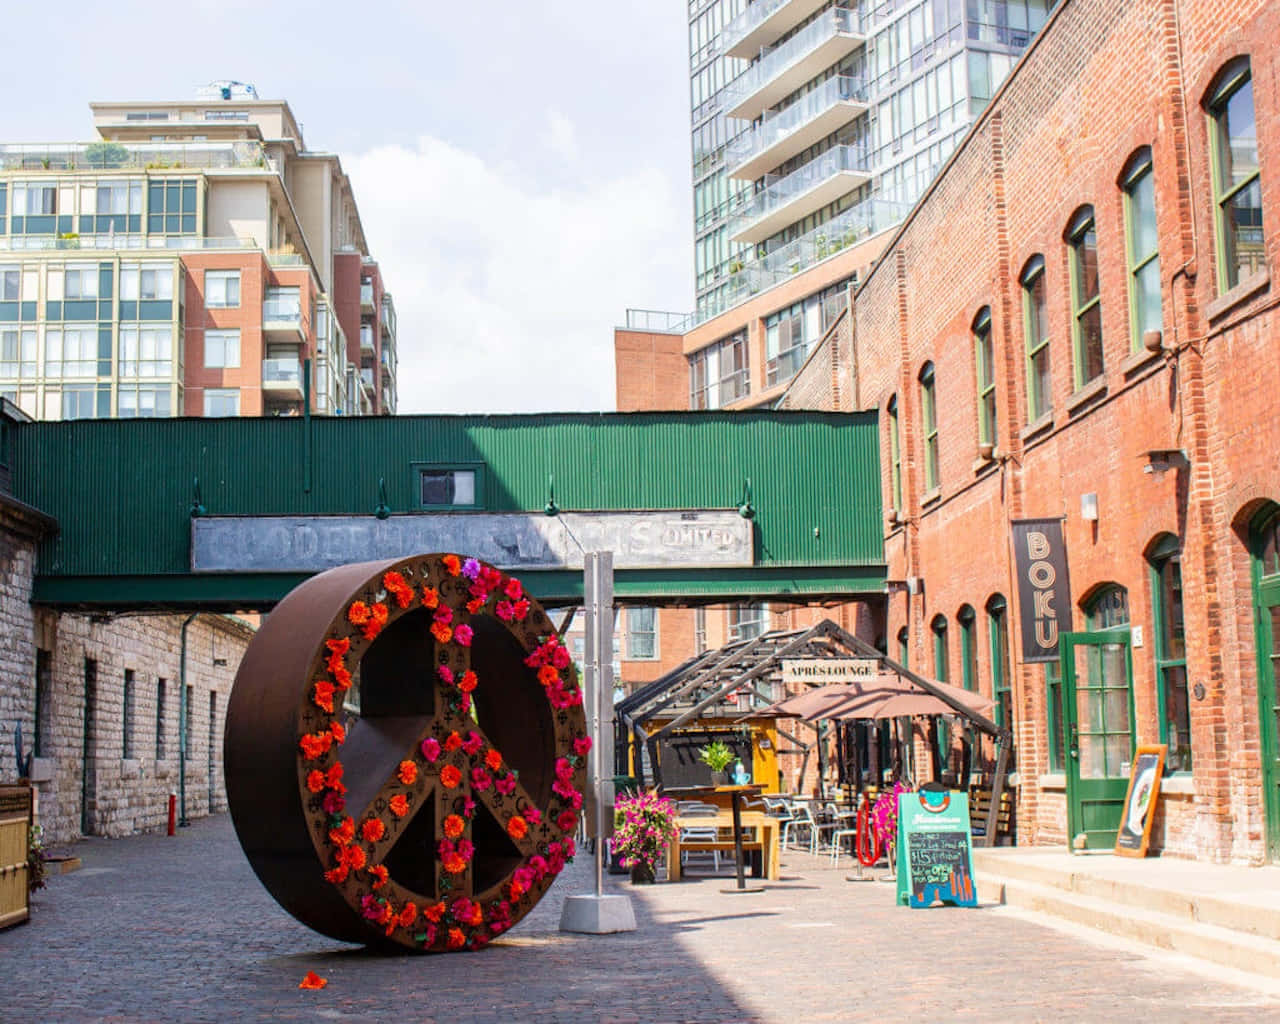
x,y
980,808
764,831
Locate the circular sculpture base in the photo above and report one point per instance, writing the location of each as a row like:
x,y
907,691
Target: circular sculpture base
x,y
406,753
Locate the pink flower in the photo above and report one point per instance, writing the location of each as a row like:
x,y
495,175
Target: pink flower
x,y
473,742
471,568
506,785
480,780
564,770
445,673
443,615
431,749
533,816
505,611
334,803
463,635
582,746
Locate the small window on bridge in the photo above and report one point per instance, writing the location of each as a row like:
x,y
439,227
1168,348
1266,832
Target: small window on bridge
x,y
451,487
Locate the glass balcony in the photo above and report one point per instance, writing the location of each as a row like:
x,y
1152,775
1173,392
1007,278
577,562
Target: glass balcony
x,y
784,201
282,377
820,44
366,338
796,127
366,297
762,24
282,318
112,156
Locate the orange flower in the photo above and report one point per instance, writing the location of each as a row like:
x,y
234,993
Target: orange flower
x,y
455,863
358,613
452,564
456,939
315,780
377,619
468,681
408,772
353,857
547,675
316,746
324,695
452,742
454,826
337,732
334,779
380,875
475,604
344,833
313,981
408,914
372,830
430,597
399,805
493,759
450,776
343,678
434,912
337,875
441,632
517,827
395,583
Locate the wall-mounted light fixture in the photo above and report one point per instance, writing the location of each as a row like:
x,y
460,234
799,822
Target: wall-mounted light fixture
x,y
745,508
551,508
1089,507
382,510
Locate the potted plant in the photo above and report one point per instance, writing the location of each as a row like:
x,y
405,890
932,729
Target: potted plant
x,y
716,755
643,826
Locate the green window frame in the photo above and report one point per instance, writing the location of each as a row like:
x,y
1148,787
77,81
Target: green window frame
x,y
998,637
448,486
984,362
1142,249
1237,189
968,648
895,455
941,666
904,647
929,425
1169,626
1055,727
1035,327
1086,298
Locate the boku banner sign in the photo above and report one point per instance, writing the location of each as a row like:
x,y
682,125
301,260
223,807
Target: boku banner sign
x,y
935,849
1044,589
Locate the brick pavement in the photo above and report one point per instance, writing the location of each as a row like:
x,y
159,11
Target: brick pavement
x,y
159,929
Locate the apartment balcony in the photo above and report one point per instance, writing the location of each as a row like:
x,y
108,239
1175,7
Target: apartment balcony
x,y
282,321
796,127
366,339
282,379
822,180
366,378
782,71
762,24
366,299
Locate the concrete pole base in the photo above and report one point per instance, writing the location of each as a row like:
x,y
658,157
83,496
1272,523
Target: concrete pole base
x,y
597,915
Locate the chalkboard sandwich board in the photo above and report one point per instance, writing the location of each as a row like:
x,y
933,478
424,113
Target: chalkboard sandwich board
x,y
935,849
1134,834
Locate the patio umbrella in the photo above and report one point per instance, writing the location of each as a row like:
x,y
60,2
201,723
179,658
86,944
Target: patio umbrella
x,y
812,703
911,704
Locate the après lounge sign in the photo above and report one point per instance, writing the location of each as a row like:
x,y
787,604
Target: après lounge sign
x,y
1044,590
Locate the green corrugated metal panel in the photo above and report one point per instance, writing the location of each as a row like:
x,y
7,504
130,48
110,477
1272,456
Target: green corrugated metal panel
x,y
122,489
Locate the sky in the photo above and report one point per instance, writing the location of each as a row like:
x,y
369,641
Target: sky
x,y
522,170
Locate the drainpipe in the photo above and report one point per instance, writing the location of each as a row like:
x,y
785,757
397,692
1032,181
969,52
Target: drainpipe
x,y
184,714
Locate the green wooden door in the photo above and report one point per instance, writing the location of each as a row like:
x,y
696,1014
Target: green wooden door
x,y
1269,706
1097,708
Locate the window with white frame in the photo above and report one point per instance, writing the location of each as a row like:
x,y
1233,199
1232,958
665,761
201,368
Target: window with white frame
x,y
75,352
221,289
10,283
222,401
222,348
747,621
33,199
75,281
144,400
143,281
18,352
146,351
642,634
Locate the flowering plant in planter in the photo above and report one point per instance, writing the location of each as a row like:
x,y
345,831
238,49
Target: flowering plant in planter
x,y
643,826
884,814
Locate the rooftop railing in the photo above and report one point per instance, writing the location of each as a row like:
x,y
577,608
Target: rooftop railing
x,y
777,126
118,156
125,241
659,321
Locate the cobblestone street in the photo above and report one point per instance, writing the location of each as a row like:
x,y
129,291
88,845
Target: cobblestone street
x,y
159,929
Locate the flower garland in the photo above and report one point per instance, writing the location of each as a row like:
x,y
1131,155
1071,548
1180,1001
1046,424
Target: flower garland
x,y
356,848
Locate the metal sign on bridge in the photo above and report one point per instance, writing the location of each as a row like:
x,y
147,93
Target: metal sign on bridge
x,y
638,540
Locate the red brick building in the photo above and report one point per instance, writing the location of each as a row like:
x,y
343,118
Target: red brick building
x,y
1077,322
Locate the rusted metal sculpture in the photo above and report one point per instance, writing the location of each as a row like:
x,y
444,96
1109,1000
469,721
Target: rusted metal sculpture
x,y
405,753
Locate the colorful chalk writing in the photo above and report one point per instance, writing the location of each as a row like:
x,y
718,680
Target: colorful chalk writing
x,y
935,850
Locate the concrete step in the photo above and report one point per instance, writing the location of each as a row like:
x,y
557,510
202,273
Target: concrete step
x,y
1215,944
1181,896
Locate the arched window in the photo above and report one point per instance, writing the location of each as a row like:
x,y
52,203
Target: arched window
x,y
929,425
1265,548
1035,326
1165,558
998,630
1086,298
984,362
1108,608
968,647
939,628
1141,248
904,648
1237,191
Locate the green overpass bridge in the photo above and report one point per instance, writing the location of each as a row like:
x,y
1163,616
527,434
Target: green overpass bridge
x,y
227,514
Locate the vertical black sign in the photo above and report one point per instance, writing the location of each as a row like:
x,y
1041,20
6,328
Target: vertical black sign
x,y
1044,590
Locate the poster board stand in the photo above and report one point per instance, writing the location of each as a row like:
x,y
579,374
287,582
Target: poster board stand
x,y
1134,835
935,848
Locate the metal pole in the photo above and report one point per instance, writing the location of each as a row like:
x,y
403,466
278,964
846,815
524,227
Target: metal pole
x,y
598,601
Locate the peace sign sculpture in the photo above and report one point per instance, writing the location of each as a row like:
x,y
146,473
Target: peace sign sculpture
x,y
406,753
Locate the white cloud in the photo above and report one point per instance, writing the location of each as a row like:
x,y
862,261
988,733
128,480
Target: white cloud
x,y
507,292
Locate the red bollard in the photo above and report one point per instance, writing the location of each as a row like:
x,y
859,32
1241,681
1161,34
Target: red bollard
x,y
173,813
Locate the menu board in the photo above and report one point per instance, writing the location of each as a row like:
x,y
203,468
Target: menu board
x,y
1134,833
935,849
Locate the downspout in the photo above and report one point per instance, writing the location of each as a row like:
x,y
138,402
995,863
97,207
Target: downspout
x,y
184,714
